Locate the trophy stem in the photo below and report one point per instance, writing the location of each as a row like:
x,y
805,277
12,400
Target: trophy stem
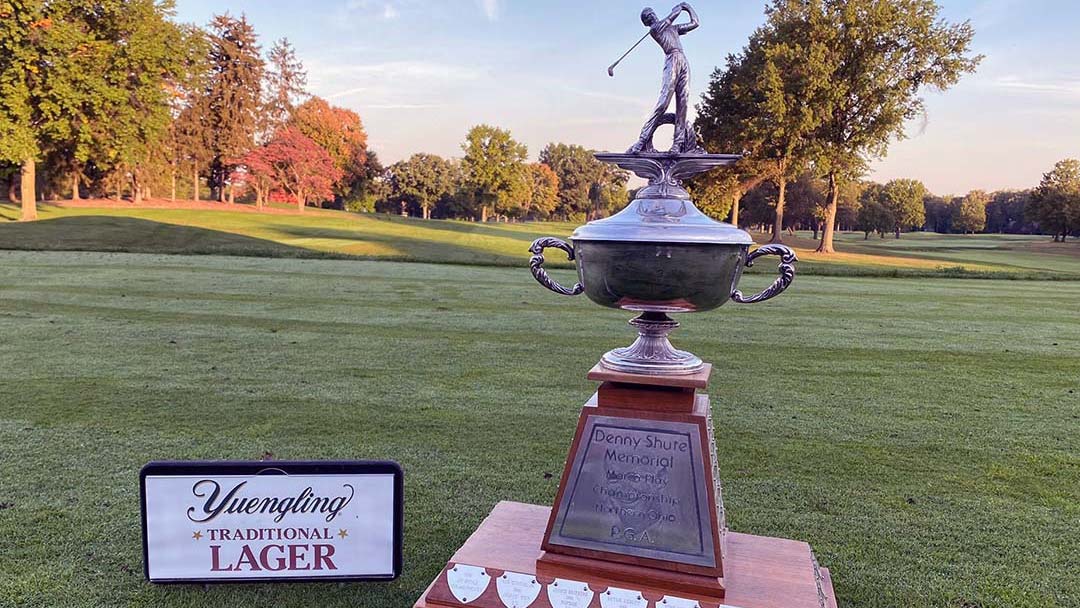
x,y
652,353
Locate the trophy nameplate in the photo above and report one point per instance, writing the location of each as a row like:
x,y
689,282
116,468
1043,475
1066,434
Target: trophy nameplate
x,y
638,487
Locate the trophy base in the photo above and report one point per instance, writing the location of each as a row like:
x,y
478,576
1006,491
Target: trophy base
x,y
652,354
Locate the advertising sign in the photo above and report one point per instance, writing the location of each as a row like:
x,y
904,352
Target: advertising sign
x,y
271,521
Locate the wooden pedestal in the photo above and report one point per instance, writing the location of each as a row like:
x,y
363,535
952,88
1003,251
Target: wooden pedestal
x,y
520,554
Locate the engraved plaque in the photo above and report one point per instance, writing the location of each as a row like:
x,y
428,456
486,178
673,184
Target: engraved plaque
x,y
517,590
622,598
638,487
563,593
467,582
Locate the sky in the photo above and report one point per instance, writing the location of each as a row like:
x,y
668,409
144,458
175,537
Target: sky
x,y
421,72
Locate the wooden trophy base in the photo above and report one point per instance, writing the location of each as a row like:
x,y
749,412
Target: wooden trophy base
x,y
584,554
759,572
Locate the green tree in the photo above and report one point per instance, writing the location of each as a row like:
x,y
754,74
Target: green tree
x,y
493,167
233,97
284,87
874,214
904,200
969,213
423,179
764,103
22,31
879,55
587,187
1055,204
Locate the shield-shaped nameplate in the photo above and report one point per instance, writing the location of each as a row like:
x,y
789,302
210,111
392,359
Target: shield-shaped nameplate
x,y
565,593
622,598
467,582
678,602
517,590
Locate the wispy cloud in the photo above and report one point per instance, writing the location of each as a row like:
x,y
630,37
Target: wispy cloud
x,y
1068,87
490,8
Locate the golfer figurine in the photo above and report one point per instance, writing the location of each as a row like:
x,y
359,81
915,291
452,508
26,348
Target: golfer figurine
x,y
675,83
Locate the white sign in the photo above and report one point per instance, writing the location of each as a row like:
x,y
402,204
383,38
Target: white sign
x,y
467,582
517,590
212,522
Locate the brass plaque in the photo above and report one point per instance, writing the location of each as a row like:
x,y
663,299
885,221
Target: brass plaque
x,y
637,487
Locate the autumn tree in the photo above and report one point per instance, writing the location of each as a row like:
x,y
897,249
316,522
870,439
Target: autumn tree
x,y
878,55
233,100
492,165
341,133
1055,204
969,212
422,179
284,86
545,191
296,165
765,102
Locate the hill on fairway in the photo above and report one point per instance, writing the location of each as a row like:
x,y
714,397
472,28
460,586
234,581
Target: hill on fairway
x,y
238,230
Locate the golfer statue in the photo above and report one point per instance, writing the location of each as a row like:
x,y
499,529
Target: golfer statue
x,y
675,83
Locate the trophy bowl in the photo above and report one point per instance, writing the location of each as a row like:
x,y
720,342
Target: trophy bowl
x,y
660,255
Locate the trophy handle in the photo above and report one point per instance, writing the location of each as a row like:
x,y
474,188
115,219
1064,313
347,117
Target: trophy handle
x,y
536,264
786,268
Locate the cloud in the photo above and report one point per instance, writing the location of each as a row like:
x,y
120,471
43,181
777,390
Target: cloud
x,y
389,12
1067,87
490,8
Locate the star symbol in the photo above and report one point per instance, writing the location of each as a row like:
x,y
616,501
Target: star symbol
x,y
342,532
197,535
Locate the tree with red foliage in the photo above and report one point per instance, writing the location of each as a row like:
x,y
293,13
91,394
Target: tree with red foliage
x,y
293,163
341,133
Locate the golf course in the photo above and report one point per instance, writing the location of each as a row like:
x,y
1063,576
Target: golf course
x,y
910,407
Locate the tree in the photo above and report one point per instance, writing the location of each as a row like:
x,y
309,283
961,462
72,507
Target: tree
x,y
969,213
341,133
22,27
545,191
587,187
232,103
904,200
294,164
938,210
1006,211
1055,204
493,168
423,179
874,215
764,103
284,86
879,55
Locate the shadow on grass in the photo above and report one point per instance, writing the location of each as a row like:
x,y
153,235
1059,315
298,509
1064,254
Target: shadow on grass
x,y
125,234
411,248
466,227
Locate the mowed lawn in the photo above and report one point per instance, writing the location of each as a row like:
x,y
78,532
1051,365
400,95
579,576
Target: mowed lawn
x,y
922,434
237,230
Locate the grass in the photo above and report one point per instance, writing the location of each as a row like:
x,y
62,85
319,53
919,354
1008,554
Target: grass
x,y
921,434
385,237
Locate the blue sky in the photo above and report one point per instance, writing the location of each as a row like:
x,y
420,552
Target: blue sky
x,y
420,72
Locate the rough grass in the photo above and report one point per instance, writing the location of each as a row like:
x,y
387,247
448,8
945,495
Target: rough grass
x,y
324,234
921,434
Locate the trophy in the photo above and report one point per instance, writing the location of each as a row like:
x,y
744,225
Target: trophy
x,y
638,519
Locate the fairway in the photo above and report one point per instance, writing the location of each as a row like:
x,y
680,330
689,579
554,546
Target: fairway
x,y
921,434
238,230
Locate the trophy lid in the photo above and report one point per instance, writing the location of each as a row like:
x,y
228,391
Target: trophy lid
x,y
662,220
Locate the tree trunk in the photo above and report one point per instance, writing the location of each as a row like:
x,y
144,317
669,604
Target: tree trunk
x,y
29,204
898,232
735,209
13,190
258,198
195,181
172,193
299,201
232,194
483,214
426,210
136,188
826,245
75,185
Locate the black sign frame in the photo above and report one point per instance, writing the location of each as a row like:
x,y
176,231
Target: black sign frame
x,y
278,467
